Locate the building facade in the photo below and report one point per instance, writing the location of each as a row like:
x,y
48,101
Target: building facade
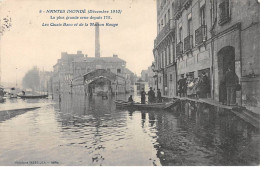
x,y
72,71
69,72
209,36
236,44
164,48
113,65
63,72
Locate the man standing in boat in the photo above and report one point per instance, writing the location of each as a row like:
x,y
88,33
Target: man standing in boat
x,y
143,93
130,99
159,96
151,95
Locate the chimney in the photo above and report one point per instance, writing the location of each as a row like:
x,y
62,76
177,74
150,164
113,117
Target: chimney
x,y
97,43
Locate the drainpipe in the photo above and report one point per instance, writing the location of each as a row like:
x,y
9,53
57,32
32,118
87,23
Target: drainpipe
x,y
213,24
176,64
240,63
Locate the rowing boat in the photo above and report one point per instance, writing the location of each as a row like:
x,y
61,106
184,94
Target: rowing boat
x,y
33,96
121,103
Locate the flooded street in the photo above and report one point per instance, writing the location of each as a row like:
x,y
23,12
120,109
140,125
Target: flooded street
x,y
90,131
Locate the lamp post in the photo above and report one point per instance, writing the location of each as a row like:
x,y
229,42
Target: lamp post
x,y
16,77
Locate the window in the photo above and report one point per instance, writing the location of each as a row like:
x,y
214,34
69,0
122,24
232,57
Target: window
x,y
169,15
166,55
173,51
191,74
118,70
224,13
108,69
165,19
180,34
159,62
165,80
162,59
169,53
173,9
189,24
202,16
170,77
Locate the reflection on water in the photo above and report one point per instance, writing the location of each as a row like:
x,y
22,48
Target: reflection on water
x,y
90,131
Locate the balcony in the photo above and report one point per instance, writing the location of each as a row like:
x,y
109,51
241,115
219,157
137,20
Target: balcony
x,y
188,42
200,35
179,49
168,28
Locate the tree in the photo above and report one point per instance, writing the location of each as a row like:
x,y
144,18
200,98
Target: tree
x,y
32,79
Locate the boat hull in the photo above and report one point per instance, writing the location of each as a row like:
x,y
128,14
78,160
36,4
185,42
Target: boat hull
x,y
120,103
33,97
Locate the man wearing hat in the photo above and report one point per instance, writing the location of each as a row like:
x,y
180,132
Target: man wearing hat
x,y
151,95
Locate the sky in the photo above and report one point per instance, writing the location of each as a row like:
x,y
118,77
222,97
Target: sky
x,y
27,43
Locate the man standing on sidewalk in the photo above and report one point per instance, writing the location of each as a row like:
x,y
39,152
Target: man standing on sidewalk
x,y
204,85
231,80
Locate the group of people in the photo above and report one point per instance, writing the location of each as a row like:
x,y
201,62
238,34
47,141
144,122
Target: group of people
x,y
194,87
200,87
151,96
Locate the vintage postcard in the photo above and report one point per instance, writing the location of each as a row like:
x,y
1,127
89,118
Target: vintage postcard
x,y
129,83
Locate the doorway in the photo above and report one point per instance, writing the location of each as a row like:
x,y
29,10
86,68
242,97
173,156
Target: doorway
x,y
226,59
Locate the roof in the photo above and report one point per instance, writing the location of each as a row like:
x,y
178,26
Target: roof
x,y
98,59
93,75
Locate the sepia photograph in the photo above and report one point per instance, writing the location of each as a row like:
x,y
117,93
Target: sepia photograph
x,y
129,83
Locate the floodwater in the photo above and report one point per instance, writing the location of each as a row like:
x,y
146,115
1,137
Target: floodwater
x,y
90,131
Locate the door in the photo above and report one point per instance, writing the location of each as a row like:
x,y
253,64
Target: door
x,y
226,59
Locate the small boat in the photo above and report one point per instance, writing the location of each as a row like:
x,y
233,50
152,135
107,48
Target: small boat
x,y
13,96
121,103
33,96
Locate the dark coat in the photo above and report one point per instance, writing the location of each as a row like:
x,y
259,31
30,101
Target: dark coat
x,y
130,99
182,85
159,95
231,79
204,84
143,93
151,95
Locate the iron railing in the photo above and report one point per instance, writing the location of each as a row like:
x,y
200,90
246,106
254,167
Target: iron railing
x,y
188,43
201,35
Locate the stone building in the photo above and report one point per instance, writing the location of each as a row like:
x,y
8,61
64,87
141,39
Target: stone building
x,y
63,72
209,36
193,46
164,48
71,71
236,44
115,65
